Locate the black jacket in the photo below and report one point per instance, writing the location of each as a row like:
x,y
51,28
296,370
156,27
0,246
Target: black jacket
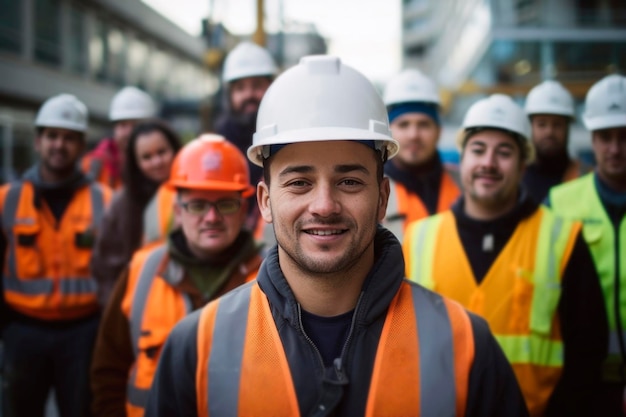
x,y
493,390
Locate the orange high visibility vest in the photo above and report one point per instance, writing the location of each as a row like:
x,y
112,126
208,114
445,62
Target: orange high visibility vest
x,y
46,271
158,215
518,297
405,207
153,306
242,369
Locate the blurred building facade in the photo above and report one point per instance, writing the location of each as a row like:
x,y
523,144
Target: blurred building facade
x,y
91,49
477,47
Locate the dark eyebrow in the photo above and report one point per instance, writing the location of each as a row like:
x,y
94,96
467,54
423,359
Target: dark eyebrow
x,y
297,169
344,169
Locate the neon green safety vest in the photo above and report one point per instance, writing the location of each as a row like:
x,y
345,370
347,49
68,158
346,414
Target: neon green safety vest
x,y
579,200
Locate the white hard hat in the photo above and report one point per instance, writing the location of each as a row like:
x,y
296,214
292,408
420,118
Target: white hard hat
x,y
248,60
131,103
498,111
411,86
321,99
605,104
549,97
63,111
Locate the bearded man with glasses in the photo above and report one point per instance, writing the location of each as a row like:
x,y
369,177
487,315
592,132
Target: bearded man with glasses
x,y
209,254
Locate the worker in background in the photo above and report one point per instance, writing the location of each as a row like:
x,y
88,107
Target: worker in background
x,y
150,152
599,200
550,108
207,256
248,71
50,219
528,272
330,327
420,183
105,163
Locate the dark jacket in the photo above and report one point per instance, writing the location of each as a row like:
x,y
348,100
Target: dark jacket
x,y
493,390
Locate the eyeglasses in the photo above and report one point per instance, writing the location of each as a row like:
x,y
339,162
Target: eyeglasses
x,y
202,207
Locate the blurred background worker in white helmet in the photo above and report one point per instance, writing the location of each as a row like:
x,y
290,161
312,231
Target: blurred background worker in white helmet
x,y
105,163
247,74
421,184
330,324
528,272
550,108
599,200
48,309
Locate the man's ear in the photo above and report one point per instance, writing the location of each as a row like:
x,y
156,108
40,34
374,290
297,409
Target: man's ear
x,y
263,200
383,198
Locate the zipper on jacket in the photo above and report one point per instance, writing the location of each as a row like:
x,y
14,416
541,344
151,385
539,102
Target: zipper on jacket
x,y
308,339
338,362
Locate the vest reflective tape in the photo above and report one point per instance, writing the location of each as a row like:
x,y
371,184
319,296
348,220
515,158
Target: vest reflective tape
x,y
95,168
227,355
531,349
45,285
147,274
425,231
151,231
237,344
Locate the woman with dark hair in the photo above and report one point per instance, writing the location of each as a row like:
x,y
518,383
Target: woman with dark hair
x,y
149,155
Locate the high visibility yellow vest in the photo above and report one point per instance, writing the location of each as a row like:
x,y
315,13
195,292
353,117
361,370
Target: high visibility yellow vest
x,y
158,215
580,200
243,370
518,297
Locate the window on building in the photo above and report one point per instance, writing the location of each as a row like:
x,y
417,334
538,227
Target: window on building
x,y
10,25
117,47
136,62
77,52
98,49
48,31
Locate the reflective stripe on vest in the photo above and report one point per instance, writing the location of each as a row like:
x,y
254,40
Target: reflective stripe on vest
x,y
245,372
524,326
608,252
399,214
44,285
136,396
157,216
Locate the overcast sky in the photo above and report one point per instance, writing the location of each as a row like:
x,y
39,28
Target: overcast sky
x,y
364,33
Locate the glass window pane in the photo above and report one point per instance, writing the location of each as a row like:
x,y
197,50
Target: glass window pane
x,y
77,42
10,25
48,31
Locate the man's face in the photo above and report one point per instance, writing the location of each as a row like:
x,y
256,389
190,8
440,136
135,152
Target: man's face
x,y
59,149
210,233
418,135
491,170
550,133
325,202
246,94
121,133
609,148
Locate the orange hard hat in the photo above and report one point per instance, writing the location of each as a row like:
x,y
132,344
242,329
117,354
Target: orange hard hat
x,y
212,163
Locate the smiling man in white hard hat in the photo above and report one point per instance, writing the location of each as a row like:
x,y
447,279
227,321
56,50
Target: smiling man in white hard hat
x,y
528,272
49,310
599,200
129,106
550,108
330,327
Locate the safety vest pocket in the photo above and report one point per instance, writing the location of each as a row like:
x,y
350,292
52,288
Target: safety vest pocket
x,y
27,258
592,232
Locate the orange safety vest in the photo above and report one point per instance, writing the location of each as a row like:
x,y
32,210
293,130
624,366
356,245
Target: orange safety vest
x,y
95,169
405,207
518,297
47,273
242,368
153,305
158,215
